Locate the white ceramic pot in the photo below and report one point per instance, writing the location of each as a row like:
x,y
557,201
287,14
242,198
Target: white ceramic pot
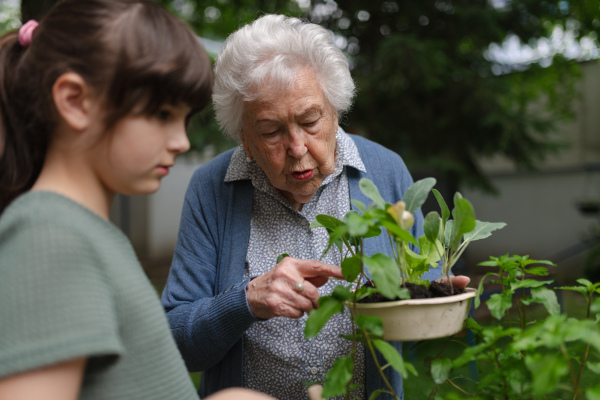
x,y
420,319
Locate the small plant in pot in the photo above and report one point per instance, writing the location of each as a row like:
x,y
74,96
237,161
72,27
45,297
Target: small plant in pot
x,y
383,295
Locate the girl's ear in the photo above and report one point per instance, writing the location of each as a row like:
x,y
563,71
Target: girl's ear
x,y
74,101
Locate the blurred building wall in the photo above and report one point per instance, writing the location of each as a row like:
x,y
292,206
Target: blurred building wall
x,y
541,208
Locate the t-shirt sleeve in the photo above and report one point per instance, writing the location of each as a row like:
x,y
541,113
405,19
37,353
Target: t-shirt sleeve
x,y
55,304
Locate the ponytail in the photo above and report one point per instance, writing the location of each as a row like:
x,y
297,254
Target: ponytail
x,y
21,159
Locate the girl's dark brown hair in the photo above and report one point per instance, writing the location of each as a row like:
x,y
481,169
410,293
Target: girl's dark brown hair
x,y
133,53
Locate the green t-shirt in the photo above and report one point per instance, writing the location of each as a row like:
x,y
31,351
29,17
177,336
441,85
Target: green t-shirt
x,y
71,286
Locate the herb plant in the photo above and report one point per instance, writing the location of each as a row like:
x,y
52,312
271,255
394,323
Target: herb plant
x,y
444,242
520,357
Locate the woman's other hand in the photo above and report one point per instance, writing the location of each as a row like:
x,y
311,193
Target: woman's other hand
x,y
458,281
290,288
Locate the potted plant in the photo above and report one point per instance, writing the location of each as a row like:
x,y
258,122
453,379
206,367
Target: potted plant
x,y
385,282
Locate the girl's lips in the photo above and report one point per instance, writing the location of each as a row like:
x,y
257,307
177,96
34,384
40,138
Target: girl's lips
x,y
163,170
303,175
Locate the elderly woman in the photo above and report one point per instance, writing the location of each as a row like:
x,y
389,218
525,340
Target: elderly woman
x,y
238,316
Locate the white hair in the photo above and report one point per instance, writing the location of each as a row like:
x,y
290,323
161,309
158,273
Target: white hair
x,y
273,50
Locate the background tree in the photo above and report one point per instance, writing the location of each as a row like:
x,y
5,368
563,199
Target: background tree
x,y
428,85
429,89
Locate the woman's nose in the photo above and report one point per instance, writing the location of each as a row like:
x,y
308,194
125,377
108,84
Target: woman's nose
x,y
297,144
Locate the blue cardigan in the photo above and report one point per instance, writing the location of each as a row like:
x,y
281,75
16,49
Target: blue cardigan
x,y
205,295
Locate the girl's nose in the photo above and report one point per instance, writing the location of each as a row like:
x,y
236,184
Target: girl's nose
x,y
179,143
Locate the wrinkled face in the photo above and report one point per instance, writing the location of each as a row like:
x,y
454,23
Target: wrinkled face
x,y
141,149
292,137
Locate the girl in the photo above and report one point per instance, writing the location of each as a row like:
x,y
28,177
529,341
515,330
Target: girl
x,y
94,101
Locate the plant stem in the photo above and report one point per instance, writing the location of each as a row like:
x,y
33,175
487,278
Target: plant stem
x,y
576,388
565,354
459,388
352,314
374,355
504,383
585,356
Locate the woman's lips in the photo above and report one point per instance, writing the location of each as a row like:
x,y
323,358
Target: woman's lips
x,y
303,175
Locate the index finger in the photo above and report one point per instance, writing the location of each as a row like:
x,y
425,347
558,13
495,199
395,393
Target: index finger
x,y
313,269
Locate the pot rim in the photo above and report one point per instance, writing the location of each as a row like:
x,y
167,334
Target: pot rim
x,y
470,293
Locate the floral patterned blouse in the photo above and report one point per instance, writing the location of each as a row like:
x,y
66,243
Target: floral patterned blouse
x,y
278,360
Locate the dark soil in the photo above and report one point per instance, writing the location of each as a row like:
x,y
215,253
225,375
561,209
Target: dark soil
x,y
435,289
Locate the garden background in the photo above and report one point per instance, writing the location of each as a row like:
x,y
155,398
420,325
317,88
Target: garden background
x,y
499,99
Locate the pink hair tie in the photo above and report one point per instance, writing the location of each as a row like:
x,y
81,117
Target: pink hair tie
x,y
26,32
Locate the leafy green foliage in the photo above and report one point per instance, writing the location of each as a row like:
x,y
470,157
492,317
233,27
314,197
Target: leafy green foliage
x,y
450,237
338,377
522,358
380,273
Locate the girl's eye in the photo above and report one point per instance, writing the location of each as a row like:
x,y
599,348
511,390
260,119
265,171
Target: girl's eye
x,y
163,115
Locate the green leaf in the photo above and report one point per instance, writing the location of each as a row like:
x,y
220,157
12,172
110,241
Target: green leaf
x,y
448,233
539,271
546,371
385,274
330,223
281,257
417,193
443,206
584,282
440,369
338,377
398,232
546,297
374,231
358,205
342,293
392,356
525,262
483,230
373,325
578,289
432,225
594,367
593,393
464,222
417,264
335,237
480,288
370,190
527,283
351,267
356,223
431,250
318,317
498,303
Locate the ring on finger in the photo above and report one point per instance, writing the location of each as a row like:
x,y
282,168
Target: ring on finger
x,y
299,287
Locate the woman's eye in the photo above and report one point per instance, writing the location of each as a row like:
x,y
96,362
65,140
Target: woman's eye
x,y
310,124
